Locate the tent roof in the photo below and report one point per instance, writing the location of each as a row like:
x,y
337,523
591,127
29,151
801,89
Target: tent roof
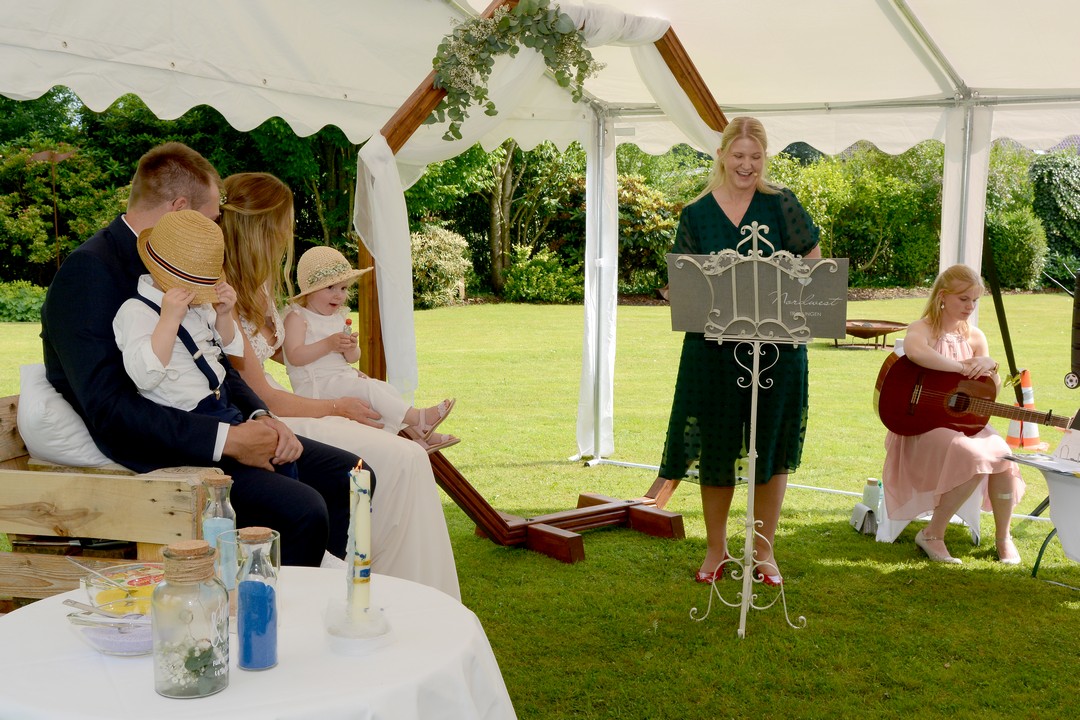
x,y
828,72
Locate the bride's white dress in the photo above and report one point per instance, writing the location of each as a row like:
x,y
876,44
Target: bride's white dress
x,y
409,538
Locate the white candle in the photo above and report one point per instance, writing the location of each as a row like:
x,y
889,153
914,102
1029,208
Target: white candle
x,y
359,550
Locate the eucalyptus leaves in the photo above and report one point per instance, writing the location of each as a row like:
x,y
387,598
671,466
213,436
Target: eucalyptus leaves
x,y
465,58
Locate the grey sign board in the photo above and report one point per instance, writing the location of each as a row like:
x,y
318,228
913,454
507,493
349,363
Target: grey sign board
x,y
780,298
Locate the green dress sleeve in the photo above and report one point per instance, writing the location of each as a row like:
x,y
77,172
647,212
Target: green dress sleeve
x,y
800,234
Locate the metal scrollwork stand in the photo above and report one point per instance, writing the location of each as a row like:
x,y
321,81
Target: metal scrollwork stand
x,y
758,317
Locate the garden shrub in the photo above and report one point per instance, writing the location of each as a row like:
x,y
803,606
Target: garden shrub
x,y
1056,180
1018,242
20,301
440,261
542,278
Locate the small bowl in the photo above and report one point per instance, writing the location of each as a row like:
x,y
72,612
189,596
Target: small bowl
x,y
137,580
127,636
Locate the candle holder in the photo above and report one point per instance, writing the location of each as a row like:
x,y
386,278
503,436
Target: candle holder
x,y
348,623
352,623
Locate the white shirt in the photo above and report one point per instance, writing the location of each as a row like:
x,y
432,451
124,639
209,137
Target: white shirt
x,y
180,384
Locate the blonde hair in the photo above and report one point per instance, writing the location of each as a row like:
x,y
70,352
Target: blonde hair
x,y
952,281
257,221
740,127
171,171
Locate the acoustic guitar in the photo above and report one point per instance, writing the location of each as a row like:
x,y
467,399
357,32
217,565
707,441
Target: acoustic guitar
x,y
911,400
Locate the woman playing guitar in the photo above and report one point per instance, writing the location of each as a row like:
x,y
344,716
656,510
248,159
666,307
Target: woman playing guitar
x,y
938,470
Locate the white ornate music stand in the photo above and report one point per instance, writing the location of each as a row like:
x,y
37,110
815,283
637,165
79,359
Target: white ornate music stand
x,y
761,301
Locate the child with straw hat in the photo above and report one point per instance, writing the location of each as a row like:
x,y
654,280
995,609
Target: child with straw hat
x,y
320,349
173,332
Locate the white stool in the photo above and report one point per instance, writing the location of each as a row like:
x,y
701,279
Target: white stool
x,y
968,514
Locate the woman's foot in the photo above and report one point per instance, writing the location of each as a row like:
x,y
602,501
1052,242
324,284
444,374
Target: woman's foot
x,y
431,417
770,580
1006,551
764,572
704,575
935,549
434,442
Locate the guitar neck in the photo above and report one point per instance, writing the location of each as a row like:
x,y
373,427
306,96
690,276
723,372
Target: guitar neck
x,y
1012,412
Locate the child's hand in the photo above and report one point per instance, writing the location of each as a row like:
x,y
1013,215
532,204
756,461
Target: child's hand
x,y
226,298
342,342
175,304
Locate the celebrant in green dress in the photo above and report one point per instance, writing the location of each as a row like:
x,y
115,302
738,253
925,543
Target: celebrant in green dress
x,y
710,413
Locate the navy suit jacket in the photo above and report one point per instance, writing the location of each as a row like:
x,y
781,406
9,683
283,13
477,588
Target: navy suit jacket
x,y
84,364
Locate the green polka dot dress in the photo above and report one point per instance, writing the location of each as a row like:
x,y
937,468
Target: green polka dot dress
x,y
710,414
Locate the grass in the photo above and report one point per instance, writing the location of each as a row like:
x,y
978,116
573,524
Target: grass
x,y
887,635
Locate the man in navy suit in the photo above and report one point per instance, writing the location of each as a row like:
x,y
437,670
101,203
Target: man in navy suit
x,y
83,362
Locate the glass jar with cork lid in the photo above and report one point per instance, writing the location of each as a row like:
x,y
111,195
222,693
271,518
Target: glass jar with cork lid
x,y
190,620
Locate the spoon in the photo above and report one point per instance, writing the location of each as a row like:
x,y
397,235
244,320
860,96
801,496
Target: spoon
x,y
106,578
101,611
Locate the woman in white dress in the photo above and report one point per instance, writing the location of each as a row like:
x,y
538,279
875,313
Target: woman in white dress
x,y
409,536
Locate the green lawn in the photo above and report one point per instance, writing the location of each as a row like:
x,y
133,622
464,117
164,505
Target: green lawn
x,y
887,635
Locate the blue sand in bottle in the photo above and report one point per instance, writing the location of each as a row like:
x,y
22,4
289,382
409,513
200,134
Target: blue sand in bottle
x,y
256,617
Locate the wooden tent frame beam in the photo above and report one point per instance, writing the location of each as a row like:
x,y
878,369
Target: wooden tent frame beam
x,y
555,534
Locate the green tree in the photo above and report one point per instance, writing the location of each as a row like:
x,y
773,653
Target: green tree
x,y
54,115
679,173
821,186
34,239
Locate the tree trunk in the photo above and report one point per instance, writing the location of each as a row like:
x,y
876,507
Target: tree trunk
x,y
502,197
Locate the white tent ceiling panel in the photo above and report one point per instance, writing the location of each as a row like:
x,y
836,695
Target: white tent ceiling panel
x,y
313,64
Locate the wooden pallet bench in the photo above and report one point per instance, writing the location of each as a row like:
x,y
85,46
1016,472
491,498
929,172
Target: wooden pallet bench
x,y
44,500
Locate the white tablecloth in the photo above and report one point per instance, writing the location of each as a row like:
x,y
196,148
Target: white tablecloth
x,y
434,663
1063,482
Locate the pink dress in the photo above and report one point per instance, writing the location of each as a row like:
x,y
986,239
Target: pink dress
x,y
919,469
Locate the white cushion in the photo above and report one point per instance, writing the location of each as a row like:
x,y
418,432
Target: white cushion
x,y
49,426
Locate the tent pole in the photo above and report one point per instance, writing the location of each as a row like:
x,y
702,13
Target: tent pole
x,y
598,354
965,182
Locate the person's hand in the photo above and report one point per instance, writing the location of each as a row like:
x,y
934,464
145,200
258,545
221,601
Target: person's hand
x,y
342,342
175,304
358,410
226,298
977,367
252,443
288,447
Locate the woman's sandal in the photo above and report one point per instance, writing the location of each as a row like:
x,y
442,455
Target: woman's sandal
x,y
443,410
1010,556
434,442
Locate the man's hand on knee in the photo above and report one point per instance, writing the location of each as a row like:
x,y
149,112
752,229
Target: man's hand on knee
x,y
252,443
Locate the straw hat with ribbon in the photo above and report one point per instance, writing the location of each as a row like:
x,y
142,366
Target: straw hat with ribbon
x,y
185,249
320,267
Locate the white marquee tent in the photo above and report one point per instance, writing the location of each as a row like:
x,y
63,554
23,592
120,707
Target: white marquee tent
x,y
827,72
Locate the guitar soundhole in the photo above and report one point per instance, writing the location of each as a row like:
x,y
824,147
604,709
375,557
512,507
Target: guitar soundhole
x,y
959,403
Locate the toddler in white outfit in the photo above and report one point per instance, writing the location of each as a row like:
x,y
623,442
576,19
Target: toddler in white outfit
x,y
174,332
320,349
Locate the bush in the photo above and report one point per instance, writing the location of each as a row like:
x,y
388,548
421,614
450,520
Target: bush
x,y
1018,242
20,301
1061,270
1056,179
439,259
542,278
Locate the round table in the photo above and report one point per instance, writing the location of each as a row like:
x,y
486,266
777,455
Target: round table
x,y
435,662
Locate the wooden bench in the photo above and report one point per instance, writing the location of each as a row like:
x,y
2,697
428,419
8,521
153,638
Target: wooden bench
x,y
43,499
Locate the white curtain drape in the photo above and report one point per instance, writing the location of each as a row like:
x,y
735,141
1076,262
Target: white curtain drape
x,y
595,432
382,221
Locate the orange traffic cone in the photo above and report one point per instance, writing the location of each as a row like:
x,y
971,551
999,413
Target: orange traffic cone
x,y
1025,434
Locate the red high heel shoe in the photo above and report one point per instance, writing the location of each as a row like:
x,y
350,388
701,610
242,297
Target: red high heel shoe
x,y
770,580
708,578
